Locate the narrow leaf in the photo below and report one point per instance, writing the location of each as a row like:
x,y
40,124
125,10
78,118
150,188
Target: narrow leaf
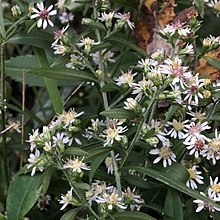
x,y
50,83
70,215
64,74
132,215
119,113
172,182
200,7
76,151
128,44
22,194
214,62
173,207
2,217
46,179
97,152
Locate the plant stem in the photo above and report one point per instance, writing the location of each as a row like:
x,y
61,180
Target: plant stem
x,y
138,132
81,198
106,107
3,120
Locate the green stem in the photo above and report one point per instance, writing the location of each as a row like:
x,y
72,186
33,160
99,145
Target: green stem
x,y
81,198
106,106
3,120
138,132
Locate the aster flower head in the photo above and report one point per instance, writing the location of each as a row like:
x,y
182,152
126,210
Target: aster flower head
x,y
165,154
132,199
177,129
214,189
176,28
59,34
105,57
126,78
109,163
107,18
35,162
114,132
195,146
212,149
194,177
124,19
66,199
204,205
43,15
75,62
34,139
66,17
215,5
111,200
76,165
87,43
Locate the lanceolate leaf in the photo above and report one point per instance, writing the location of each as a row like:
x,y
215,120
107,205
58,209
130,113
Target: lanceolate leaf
x,y
132,216
200,7
172,182
173,206
119,113
214,62
50,84
22,194
70,215
64,74
128,44
2,26
76,151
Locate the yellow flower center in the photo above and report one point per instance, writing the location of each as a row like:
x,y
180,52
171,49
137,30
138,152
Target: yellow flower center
x,y
108,161
177,125
113,198
165,152
192,173
111,133
207,94
215,144
217,6
216,187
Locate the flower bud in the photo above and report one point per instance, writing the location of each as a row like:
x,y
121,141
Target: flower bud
x,y
16,11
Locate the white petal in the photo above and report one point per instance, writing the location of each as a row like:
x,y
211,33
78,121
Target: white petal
x,y
44,24
39,23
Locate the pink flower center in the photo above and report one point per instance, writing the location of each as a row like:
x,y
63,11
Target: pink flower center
x,y
194,89
199,144
195,129
44,14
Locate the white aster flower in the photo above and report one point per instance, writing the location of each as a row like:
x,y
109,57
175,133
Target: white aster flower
x,y
195,146
60,49
178,128
104,57
109,163
125,18
60,139
113,132
58,35
212,149
164,153
204,205
34,139
76,165
66,199
193,131
178,28
43,14
130,104
111,200
66,17
215,4
126,78
132,199
194,177
214,189
146,63
34,162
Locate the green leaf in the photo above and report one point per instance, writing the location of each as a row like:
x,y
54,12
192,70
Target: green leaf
x,y
173,206
212,61
119,113
16,66
128,44
50,83
172,182
76,151
35,38
70,215
200,7
60,73
22,195
84,186
97,152
110,87
46,179
172,110
132,216
95,164
95,25
2,26
2,217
